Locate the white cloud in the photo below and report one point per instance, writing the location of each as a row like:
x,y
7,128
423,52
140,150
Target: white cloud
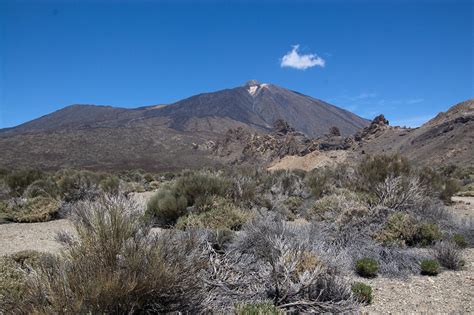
x,y
301,62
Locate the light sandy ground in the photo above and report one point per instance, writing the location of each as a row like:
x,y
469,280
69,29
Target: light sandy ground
x,y
449,292
15,237
310,161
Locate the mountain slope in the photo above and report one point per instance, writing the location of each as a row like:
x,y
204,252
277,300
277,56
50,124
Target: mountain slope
x,y
446,139
259,106
163,136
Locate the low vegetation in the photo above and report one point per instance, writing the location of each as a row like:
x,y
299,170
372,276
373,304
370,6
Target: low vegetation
x,y
232,240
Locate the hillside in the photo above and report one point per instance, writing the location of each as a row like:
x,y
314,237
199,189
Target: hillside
x,y
446,139
163,136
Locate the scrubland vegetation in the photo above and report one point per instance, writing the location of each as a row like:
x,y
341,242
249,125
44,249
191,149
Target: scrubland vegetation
x,y
244,240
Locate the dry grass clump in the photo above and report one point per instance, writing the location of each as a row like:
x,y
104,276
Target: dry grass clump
x,y
38,209
116,266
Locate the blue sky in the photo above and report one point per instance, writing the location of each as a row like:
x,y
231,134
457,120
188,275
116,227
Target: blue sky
x,y
406,59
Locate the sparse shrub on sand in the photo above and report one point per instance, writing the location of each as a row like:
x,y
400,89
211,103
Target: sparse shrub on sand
x,y
367,267
362,292
429,267
449,255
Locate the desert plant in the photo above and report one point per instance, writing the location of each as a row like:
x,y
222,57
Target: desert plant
x,y
221,215
78,185
115,265
39,209
460,240
400,229
166,207
318,182
374,170
18,181
429,267
367,267
449,255
42,187
197,185
451,186
399,192
427,234
362,292
262,308
110,185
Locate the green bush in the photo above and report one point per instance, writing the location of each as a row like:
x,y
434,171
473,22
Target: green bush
x,y
166,207
221,215
18,181
198,185
460,240
42,187
427,234
375,169
402,229
264,308
110,185
362,292
429,267
294,203
367,267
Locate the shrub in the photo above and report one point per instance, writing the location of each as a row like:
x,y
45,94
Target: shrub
x,y
115,265
293,203
110,185
362,292
222,215
341,203
18,181
451,187
166,207
427,234
400,229
367,267
376,169
196,185
399,192
39,209
78,185
42,187
460,240
318,181
263,308
429,267
14,272
449,255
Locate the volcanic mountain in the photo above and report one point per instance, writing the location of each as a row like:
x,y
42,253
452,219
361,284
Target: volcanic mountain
x,y
164,136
